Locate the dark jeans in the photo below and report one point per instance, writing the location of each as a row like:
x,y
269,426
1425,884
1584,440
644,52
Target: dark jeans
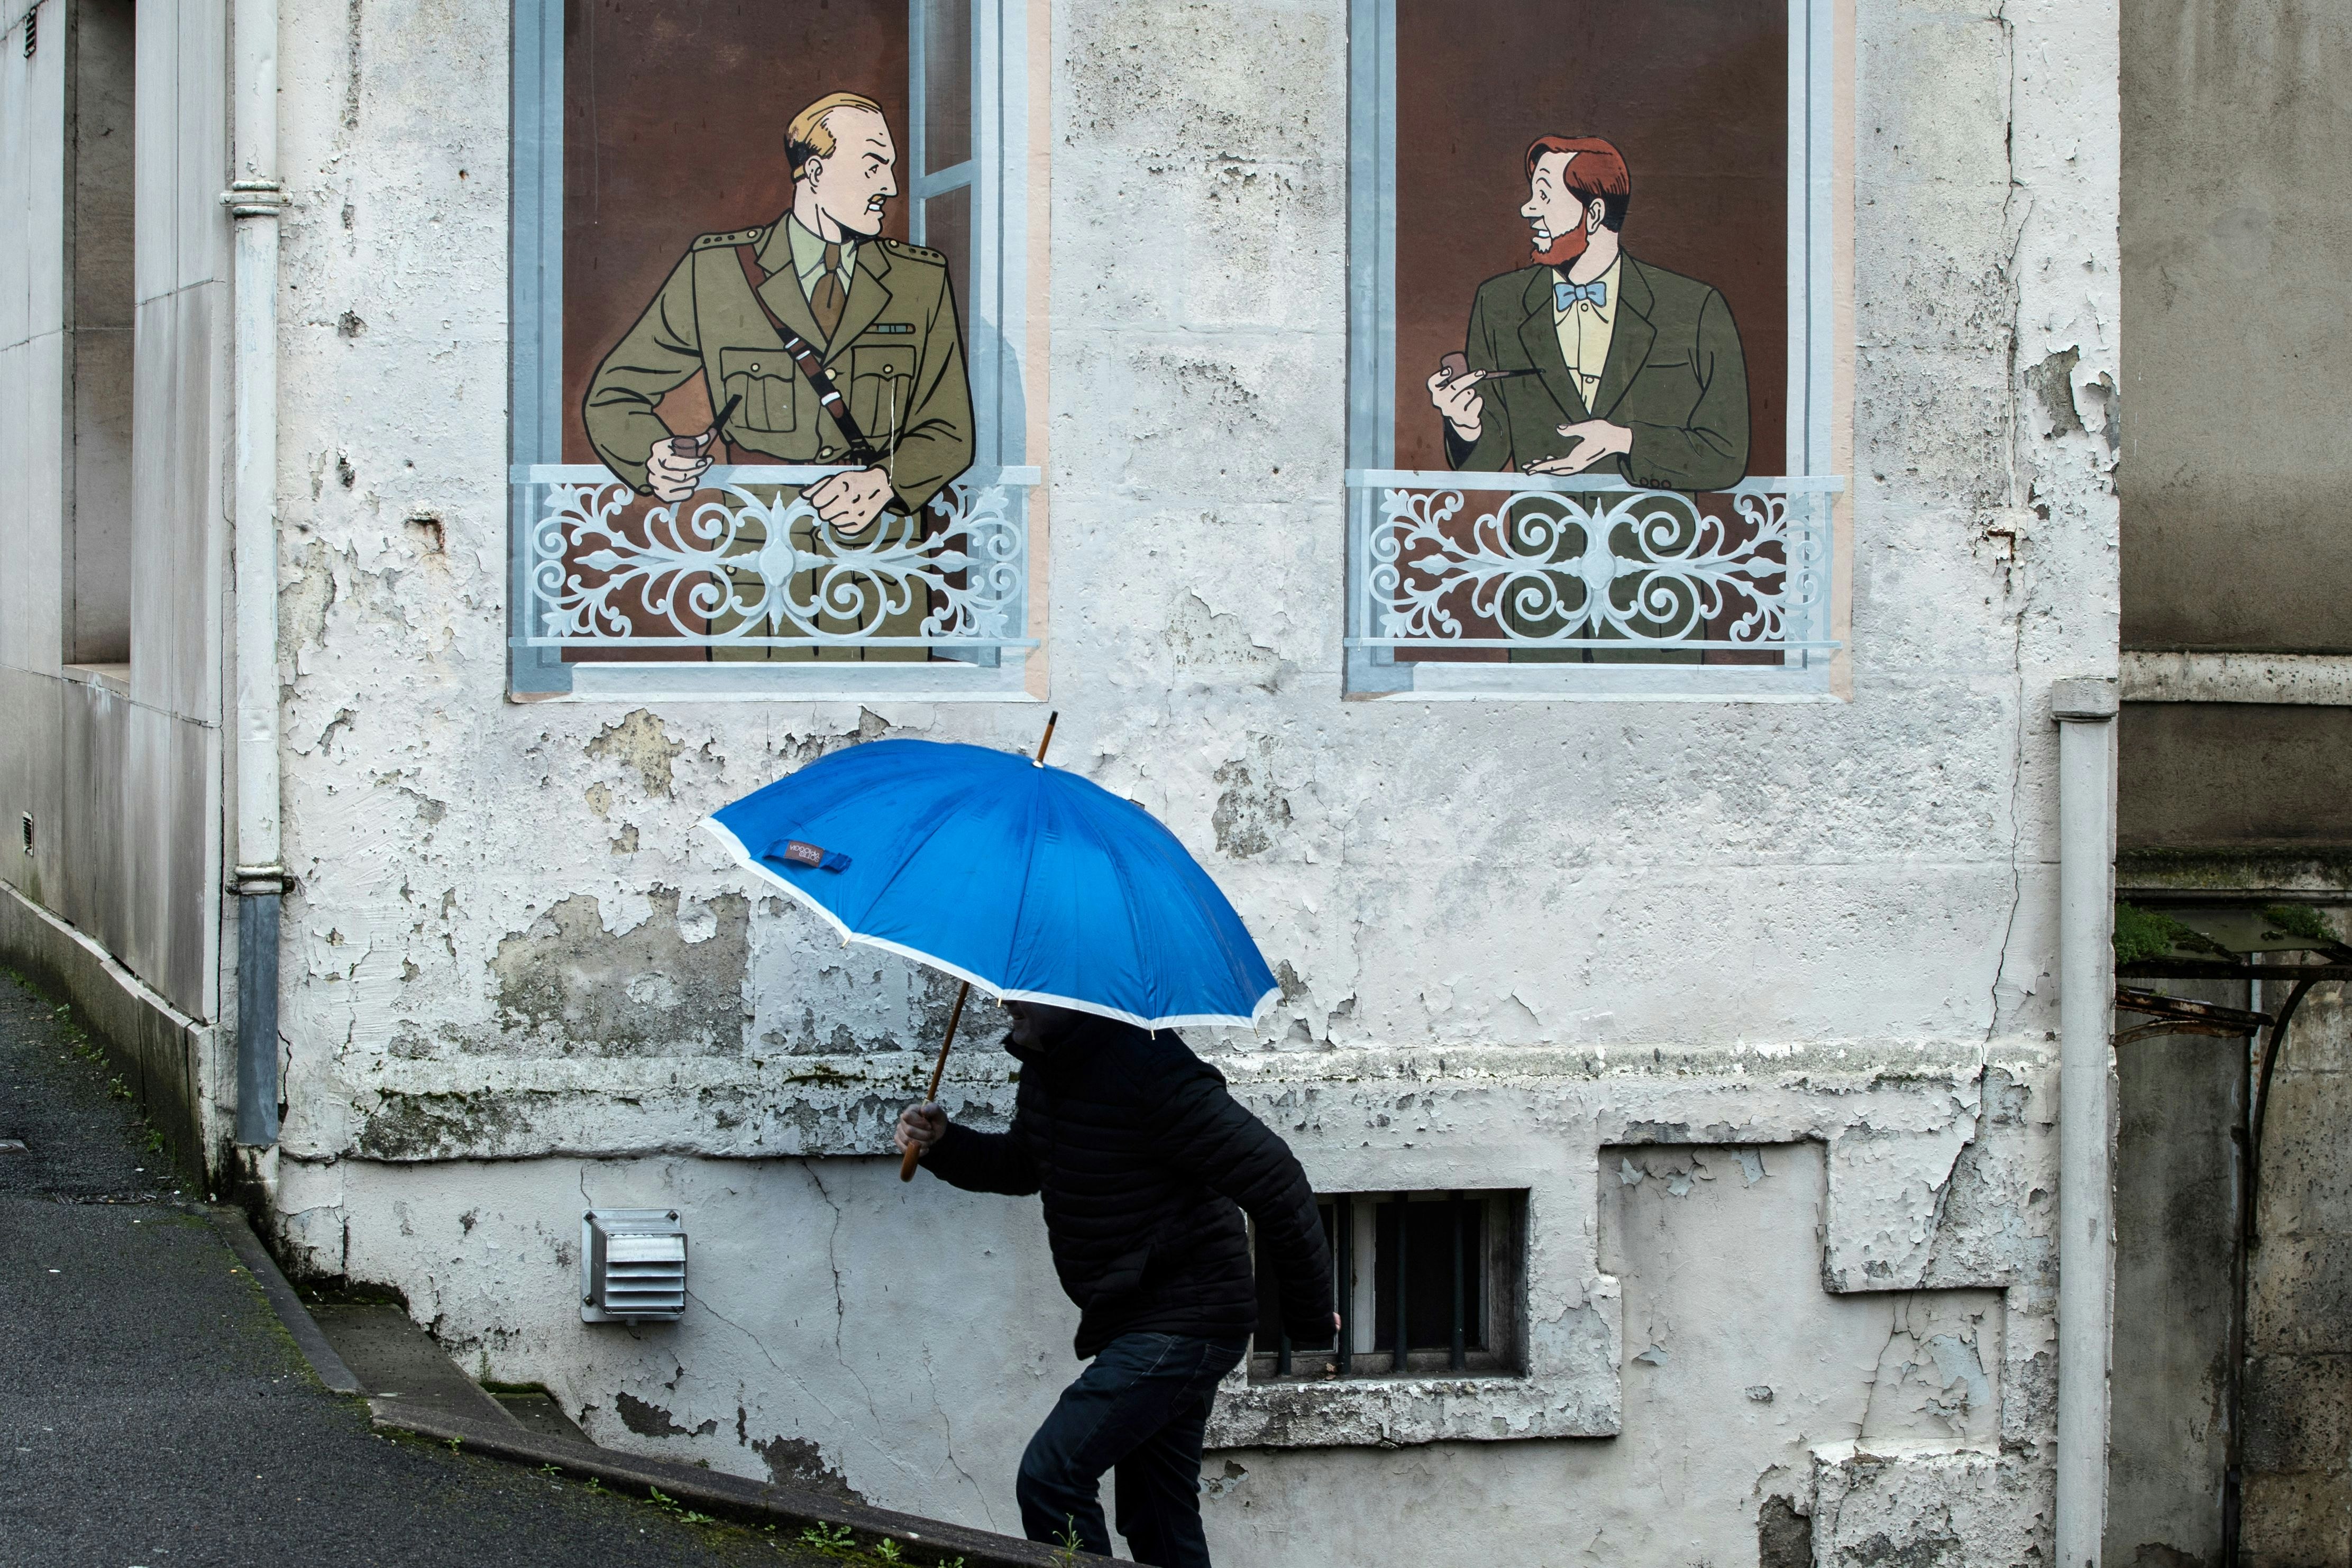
x,y
1142,1406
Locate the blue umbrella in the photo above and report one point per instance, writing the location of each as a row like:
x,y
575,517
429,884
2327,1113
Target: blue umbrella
x,y
1025,880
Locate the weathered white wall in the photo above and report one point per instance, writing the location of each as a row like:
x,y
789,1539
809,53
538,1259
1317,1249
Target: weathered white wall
x,y
33,382
1511,935
1868,1262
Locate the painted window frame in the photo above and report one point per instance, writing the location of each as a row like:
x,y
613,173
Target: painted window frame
x,y
1818,431
995,334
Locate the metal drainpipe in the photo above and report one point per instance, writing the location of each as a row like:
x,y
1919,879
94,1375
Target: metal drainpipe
x,y
254,200
2084,711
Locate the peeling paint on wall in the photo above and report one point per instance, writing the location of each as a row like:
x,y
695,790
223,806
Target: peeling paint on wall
x,y
639,743
1773,981
670,986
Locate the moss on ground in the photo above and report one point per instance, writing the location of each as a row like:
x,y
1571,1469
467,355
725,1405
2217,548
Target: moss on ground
x,y
2145,933
2296,920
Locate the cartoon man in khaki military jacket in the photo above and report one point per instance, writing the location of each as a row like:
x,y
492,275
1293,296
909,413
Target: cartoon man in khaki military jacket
x,y
877,314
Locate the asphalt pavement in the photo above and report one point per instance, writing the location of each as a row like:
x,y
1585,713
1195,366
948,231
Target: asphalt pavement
x,y
155,1414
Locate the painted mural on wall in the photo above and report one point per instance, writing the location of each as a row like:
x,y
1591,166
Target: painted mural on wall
x,y
1590,355
1591,281
740,292
1591,212
826,339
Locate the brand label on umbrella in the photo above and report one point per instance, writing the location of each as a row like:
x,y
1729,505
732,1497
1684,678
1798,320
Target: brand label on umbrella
x,y
801,854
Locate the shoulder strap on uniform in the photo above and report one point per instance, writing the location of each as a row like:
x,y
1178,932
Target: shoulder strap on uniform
x,y
860,449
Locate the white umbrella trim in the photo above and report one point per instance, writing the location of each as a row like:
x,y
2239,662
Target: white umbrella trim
x,y
742,854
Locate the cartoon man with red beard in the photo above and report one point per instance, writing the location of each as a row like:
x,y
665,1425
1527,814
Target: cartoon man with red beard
x,y
1591,360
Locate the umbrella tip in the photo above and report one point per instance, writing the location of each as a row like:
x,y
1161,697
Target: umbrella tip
x,y
1051,720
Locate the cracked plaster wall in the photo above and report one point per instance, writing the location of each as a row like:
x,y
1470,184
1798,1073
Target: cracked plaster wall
x,y
1745,1382
1509,933
1730,1369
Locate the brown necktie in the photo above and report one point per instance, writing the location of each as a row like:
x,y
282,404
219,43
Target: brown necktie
x,y
826,299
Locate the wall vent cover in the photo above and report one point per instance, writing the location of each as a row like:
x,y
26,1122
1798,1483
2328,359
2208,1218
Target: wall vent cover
x,y
632,1266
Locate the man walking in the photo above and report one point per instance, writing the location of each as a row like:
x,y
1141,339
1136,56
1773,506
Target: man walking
x,y
1141,1157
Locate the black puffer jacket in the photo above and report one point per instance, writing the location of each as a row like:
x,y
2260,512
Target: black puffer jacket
x,y
1141,1157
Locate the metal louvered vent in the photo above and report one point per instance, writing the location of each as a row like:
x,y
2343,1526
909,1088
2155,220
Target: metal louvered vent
x,y
632,1266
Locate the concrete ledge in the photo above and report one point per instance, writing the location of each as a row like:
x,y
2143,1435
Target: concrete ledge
x,y
927,1541
2312,874
2314,680
338,1377
923,1541
2086,699
161,1050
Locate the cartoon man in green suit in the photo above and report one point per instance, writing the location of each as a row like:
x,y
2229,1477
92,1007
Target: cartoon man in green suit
x,y
1591,360
888,398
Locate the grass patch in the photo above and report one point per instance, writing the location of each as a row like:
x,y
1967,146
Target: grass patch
x,y
2145,933
840,1543
339,1291
2296,920
837,1542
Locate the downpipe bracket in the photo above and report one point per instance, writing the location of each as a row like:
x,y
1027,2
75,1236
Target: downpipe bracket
x,y
260,881
255,199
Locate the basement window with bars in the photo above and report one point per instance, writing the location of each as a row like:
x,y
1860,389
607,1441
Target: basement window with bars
x,y
1428,1284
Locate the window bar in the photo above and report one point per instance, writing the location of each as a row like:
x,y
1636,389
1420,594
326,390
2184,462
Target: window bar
x,y
1460,1358
1397,1364
1344,1223
1282,1355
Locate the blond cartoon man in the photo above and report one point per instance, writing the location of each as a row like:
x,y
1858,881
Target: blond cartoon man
x,y
821,342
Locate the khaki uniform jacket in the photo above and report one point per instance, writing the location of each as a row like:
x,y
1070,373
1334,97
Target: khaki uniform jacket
x,y
1674,377
897,360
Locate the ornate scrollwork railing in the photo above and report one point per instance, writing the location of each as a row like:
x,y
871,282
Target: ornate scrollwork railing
x,y
745,561
1446,561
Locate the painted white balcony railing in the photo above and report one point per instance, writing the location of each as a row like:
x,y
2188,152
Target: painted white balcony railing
x,y
1519,564
744,562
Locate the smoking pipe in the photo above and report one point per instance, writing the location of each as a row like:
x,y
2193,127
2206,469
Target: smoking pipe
x,y
1454,367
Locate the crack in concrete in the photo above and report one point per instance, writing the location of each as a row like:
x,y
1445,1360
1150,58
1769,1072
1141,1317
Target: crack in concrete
x,y
794,1378
2015,576
930,1375
840,1317
1942,1190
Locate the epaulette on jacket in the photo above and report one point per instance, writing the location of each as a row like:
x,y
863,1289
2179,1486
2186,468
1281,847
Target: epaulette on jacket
x,y
732,237
900,247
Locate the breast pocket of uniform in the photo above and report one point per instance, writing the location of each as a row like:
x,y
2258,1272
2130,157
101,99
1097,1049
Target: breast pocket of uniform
x,y
763,378
880,380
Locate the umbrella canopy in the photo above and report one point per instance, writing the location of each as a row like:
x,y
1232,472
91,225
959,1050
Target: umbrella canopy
x,y
1025,880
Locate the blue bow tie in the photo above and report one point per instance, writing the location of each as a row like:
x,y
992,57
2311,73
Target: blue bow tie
x,y
1564,295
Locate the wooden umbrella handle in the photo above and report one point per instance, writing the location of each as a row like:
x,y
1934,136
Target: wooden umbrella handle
x,y
939,1071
